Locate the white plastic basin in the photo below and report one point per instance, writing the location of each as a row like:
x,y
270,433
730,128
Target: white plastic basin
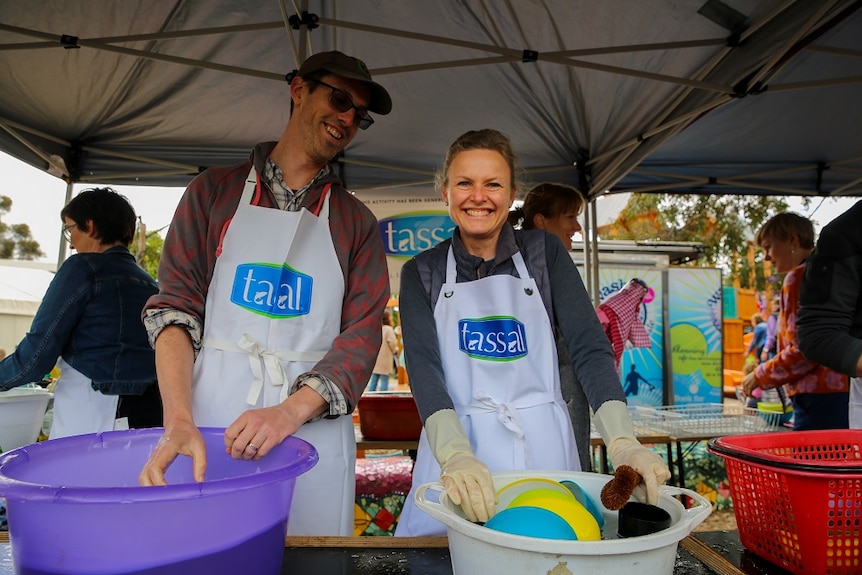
x,y
477,549
22,411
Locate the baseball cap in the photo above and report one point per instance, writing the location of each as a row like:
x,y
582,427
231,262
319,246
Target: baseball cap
x,y
341,64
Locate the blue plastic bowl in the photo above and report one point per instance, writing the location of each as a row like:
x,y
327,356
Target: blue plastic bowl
x,y
531,522
586,501
75,507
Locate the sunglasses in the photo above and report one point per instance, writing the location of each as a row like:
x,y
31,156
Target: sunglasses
x,y
342,102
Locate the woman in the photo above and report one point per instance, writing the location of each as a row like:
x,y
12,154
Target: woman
x,y
820,396
550,207
555,209
385,357
89,324
758,338
482,356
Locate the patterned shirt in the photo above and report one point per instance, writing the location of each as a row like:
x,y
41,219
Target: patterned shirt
x,y
286,198
789,367
190,253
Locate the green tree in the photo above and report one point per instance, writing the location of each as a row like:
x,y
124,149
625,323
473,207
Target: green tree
x,y
149,259
725,224
16,240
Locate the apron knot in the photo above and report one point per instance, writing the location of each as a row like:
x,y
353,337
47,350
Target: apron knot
x,y
506,413
257,354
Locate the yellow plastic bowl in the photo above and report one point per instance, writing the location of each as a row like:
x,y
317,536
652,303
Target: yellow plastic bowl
x,y
507,493
566,506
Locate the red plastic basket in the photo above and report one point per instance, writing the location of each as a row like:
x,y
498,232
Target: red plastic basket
x,y
797,497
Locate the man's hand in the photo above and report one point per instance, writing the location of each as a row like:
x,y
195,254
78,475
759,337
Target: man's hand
x,y
183,438
257,431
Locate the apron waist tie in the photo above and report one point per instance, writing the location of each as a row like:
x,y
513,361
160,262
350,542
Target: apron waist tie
x,y
507,415
271,360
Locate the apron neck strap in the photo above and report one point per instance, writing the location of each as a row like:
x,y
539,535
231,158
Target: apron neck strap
x,y
517,259
251,189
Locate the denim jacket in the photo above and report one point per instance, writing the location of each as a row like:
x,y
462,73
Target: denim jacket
x,y
91,316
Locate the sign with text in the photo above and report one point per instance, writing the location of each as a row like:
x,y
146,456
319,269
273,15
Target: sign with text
x,y
411,221
695,317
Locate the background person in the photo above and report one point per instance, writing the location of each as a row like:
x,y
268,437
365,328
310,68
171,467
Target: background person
x,y
230,352
819,395
758,339
497,407
551,207
768,351
555,209
830,316
385,357
89,325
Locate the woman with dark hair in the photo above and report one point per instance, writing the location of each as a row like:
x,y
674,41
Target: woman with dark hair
x,y
820,396
89,325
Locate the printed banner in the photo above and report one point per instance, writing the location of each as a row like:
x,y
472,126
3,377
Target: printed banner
x,y
641,368
695,315
411,221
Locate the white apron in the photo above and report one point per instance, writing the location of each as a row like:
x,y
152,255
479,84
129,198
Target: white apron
x,y
273,310
856,403
508,401
80,409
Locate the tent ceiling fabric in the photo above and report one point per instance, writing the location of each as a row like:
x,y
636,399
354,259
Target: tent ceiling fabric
x,y
144,92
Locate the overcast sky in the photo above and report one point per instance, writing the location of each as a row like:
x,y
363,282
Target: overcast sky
x,y
37,199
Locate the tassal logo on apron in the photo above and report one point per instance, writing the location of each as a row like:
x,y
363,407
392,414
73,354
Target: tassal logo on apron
x,y
499,338
273,290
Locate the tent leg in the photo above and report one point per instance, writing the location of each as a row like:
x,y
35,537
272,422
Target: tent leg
x,y
61,253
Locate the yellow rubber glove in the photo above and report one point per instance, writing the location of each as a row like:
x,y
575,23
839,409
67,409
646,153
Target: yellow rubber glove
x,y
466,480
615,426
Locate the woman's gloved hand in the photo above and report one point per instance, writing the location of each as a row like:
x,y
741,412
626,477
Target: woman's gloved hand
x,y
466,479
468,483
615,426
649,464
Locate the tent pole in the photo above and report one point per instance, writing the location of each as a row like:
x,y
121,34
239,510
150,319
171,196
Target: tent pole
x,y
588,249
594,241
61,254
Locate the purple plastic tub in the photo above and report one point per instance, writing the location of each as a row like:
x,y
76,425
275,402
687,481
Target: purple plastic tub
x,y
75,507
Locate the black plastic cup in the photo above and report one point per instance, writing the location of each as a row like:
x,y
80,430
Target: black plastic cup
x,y
636,519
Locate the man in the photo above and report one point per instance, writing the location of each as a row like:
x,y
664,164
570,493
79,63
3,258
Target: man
x,y
830,315
273,282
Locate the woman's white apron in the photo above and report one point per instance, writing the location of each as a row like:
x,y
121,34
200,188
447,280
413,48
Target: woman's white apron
x,y
273,310
500,362
79,409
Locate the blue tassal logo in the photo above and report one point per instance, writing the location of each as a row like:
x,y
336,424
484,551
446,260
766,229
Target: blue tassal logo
x,y
495,338
406,235
273,290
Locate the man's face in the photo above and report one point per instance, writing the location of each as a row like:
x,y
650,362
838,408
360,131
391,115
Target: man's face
x,y
325,131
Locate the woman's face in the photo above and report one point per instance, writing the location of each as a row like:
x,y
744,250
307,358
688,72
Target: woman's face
x,y
79,240
563,225
782,253
479,192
